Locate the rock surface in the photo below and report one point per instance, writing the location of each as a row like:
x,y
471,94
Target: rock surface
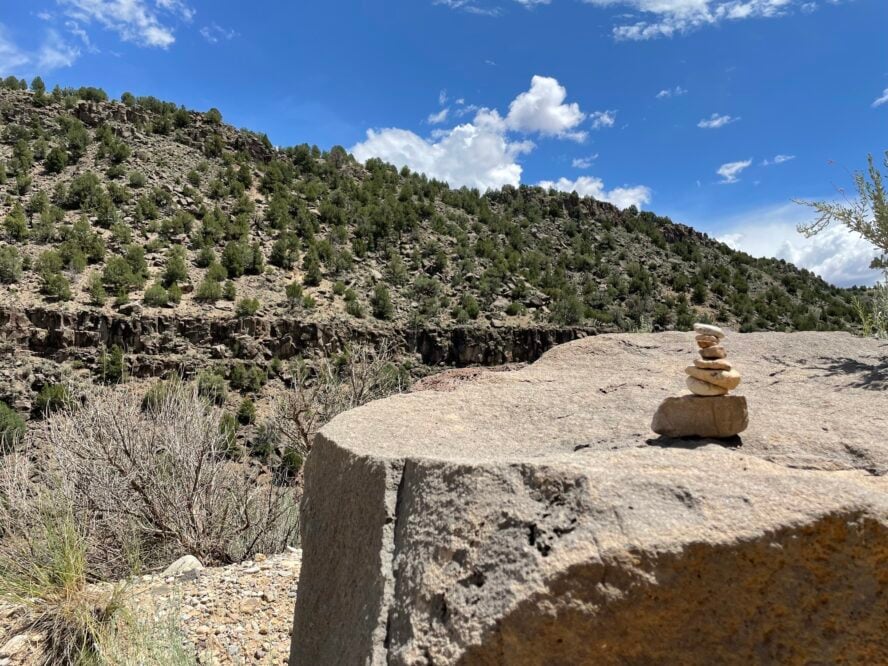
x,y
533,518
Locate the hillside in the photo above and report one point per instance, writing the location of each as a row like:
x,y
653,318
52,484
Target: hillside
x,y
189,243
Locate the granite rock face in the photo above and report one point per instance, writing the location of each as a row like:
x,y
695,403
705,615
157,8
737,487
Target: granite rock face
x,y
532,517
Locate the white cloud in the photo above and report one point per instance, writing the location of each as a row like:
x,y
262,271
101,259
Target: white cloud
x,y
589,186
475,154
667,18
530,4
482,153
778,159
881,100
54,53
715,121
177,7
583,162
677,91
470,6
438,118
730,172
134,20
11,56
442,98
603,119
466,110
836,254
542,110
214,33
74,28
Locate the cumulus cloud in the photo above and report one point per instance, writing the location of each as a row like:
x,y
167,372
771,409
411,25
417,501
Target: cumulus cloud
x,y
881,100
133,20
677,91
837,255
475,154
542,110
484,152
730,171
589,186
715,121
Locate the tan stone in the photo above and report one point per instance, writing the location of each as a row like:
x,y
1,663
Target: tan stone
x,y
708,329
466,520
715,364
704,341
728,379
713,352
693,416
699,387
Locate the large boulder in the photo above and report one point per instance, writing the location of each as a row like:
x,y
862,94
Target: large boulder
x,y
533,518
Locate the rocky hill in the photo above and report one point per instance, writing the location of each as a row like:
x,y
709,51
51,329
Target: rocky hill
x,y
142,228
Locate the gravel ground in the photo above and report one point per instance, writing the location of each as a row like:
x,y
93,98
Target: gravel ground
x,y
234,615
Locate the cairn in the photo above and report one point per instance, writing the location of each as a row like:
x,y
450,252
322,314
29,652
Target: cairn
x,y
710,411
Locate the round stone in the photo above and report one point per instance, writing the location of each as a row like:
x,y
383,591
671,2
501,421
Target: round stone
x,y
704,344
716,364
702,388
727,379
713,352
708,329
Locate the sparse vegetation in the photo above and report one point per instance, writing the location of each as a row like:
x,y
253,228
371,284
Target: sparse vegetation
x,y
868,217
332,386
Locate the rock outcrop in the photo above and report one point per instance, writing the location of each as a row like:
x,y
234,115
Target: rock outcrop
x,y
533,518
168,341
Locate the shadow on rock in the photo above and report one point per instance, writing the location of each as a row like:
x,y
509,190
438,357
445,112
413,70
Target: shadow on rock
x,y
873,377
734,442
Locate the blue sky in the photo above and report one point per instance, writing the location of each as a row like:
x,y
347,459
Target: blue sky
x,y
717,113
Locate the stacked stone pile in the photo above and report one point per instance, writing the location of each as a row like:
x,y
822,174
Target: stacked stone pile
x,y
712,374
710,411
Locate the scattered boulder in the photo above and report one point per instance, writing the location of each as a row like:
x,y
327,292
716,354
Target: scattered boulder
x,y
533,518
185,564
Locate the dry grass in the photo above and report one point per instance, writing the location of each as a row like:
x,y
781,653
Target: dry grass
x,y
334,385
44,573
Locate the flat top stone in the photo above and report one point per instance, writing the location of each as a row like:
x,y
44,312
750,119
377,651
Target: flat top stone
x,y
709,329
816,401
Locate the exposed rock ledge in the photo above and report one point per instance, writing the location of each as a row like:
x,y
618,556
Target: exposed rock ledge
x,y
532,517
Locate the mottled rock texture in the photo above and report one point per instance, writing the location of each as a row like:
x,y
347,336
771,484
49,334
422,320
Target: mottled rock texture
x,y
532,517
